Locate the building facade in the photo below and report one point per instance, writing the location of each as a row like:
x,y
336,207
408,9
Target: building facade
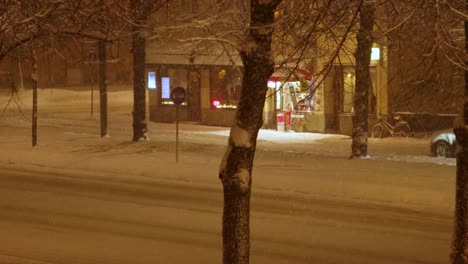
x,y
74,63
296,98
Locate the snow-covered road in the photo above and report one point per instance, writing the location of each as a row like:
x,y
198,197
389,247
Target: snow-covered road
x,y
71,218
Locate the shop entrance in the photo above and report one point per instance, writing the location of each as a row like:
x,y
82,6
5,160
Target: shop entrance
x,y
344,79
294,97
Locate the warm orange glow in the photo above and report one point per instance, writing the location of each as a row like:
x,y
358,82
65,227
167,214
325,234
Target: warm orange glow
x,y
277,14
221,74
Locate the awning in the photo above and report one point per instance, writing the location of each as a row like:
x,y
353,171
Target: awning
x,y
290,74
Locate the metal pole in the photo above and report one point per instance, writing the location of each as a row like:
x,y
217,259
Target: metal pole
x,y
177,134
92,99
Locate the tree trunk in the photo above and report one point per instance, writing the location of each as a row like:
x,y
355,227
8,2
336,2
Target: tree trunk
x,y
20,71
460,239
103,86
139,91
361,96
236,167
34,78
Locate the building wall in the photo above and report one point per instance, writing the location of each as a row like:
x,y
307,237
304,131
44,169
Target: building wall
x,y
336,118
69,65
205,92
269,109
382,80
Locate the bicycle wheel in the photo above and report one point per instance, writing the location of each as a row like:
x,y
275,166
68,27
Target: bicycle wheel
x,y
377,131
403,130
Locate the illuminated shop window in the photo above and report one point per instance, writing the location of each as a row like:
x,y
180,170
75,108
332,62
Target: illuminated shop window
x,y
151,80
165,88
297,96
225,88
176,77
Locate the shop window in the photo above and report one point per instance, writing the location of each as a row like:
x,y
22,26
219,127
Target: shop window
x,y
165,87
294,95
151,80
176,77
225,87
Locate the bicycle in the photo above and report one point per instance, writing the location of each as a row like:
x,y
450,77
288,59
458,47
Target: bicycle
x,y
384,128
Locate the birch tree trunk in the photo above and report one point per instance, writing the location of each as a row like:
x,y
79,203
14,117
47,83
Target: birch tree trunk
x,y
236,167
103,86
34,78
139,91
460,239
361,96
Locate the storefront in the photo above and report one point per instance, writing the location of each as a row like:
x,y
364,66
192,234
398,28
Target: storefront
x,y
339,91
212,92
292,100
295,97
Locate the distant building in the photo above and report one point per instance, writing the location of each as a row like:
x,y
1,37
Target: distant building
x,y
213,87
72,64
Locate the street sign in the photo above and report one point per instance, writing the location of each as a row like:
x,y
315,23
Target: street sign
x,y
178,95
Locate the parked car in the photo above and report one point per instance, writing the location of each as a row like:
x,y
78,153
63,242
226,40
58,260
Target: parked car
x,y
443,144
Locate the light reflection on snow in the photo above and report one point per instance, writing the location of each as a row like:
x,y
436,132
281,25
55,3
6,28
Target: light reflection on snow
x,y
283,137
414,158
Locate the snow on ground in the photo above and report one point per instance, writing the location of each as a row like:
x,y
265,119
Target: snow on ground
x,y
68,137
312,168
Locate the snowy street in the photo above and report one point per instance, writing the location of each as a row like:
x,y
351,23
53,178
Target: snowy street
x,y
79,198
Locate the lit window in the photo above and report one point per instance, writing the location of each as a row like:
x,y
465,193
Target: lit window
x,y
151,80
166,88
375,55
225,87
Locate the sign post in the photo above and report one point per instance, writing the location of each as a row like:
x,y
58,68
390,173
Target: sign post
x,y
177,135
177,97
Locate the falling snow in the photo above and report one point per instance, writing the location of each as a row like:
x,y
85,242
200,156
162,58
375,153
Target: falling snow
x,y
79,198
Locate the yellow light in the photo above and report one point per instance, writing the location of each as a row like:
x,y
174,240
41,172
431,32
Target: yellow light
x,y
221,74
277,14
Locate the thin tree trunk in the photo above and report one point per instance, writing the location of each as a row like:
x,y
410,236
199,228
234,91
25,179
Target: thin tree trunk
x,y
361,96
103,86
20,71
34,78
460,239
139,90
236,168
